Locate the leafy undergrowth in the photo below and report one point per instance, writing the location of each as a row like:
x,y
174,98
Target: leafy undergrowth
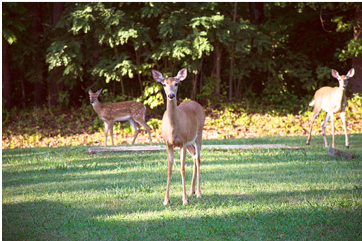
x,y
82,127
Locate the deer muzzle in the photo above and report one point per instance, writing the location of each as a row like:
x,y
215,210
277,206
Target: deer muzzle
x,y
171,95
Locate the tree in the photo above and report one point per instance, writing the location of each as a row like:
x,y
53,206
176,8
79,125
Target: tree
x,y
6,75
55,74
11,32
356,82
39,73
268,54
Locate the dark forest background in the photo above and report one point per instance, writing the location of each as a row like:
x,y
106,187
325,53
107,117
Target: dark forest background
x,y
263,54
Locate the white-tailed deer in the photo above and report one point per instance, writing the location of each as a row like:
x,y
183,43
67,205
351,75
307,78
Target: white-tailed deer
x,y
181,126
132,111
331,100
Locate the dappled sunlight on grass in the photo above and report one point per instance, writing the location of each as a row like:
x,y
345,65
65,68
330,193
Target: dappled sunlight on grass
x,y
253,193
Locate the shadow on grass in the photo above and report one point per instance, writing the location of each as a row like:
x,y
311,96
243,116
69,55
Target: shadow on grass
x,y
123,170
243,218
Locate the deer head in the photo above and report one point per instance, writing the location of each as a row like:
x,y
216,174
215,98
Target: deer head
x,y
94,96
170,84
343,79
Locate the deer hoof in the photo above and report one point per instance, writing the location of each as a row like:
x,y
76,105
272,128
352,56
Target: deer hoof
x,y
347,147
166,202
185,202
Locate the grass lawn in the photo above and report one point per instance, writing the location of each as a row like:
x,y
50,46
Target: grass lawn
x,y
64,193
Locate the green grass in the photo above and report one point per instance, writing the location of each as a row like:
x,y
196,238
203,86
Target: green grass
x,y
64,193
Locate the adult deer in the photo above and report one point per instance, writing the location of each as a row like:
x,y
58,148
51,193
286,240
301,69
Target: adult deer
x,y
331,100
132,111
181,127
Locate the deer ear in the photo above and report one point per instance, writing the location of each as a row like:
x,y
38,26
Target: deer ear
x,y
157,76
350,73
182,74
99,91
335,74
90,92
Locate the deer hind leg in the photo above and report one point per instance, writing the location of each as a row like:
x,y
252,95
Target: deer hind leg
x,y
332,121
111,131
182,170
136,129
315,114
343,118
143,123
192,150
324,124
198,164
170,159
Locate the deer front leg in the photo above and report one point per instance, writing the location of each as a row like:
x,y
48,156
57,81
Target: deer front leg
x,y
182,160
170,158
343,116
106,132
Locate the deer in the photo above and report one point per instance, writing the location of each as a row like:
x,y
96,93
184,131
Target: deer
x,y
181,127
131,111
331,100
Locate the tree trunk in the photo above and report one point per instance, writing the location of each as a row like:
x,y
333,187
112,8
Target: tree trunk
x,y
23,88
256,11
95,51
199,74
6,75
232,60
120,75
259,12
138,60
58,8
38,58
218,69
356,82
194,87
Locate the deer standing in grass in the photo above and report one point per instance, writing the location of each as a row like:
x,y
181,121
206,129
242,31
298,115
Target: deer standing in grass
x,y
331,100
181,127
132,111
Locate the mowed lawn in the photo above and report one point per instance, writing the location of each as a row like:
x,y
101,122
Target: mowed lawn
x,y
65,193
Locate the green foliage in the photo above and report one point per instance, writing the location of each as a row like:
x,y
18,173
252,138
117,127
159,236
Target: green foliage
x,y
12,24
99,44
154,123
152,95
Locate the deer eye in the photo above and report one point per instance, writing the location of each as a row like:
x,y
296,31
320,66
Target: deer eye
x,y
164,85
176,84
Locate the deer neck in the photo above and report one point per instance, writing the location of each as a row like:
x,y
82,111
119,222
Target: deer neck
x,y
343,97
172,113
97,106
171,133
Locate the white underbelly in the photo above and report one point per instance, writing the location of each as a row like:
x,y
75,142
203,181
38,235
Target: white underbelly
x,y
124,118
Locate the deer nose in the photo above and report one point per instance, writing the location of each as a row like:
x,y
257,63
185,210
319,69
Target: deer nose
x,y
171,95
